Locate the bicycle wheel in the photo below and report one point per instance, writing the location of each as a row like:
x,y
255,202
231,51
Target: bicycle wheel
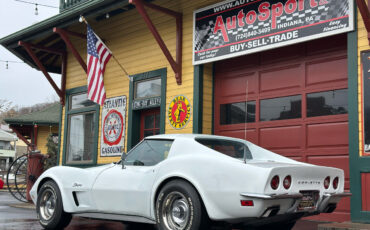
x,y
16,178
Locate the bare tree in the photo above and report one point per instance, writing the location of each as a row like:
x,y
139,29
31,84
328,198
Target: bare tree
x,y
5,105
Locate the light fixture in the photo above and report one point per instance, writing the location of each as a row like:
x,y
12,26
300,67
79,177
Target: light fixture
x,y
36,10
6,65
107,16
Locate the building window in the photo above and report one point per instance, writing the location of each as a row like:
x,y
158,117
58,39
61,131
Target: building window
x,y
281,108
235,113
82,121
148,88
327,103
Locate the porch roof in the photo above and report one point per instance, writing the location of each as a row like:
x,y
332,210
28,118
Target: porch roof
x,y
47,116
42,33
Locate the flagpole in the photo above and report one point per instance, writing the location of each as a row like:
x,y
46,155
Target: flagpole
x,y
83,19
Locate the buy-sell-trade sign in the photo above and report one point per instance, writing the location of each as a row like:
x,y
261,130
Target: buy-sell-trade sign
x,y
113,127
233,28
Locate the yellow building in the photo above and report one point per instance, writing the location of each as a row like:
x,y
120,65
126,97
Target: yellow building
x,y
285,75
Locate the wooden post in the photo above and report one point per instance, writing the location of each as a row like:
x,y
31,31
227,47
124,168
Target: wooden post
x,y
176,65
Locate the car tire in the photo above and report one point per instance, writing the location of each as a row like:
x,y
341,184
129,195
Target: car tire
x,y
49,207
179,207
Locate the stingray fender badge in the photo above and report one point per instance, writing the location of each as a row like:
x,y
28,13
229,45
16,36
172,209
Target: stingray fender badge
x,y
113,127
179,112
76,185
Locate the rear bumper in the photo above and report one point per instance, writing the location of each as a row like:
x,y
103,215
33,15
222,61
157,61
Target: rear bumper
x,y
326,204
329,200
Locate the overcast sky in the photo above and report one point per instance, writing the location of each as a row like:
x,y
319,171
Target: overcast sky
x,y
22,84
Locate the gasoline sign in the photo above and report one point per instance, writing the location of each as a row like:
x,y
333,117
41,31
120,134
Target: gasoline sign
x,y
113,127
179,112
238,27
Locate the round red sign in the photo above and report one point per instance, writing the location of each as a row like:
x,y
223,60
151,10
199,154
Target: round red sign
x,y
113,127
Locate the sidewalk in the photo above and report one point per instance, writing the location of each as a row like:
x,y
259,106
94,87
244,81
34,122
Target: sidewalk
x,y
344,226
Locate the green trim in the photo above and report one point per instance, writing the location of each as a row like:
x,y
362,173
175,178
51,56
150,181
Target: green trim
x,y
31,123
213,97
355,180
133,120
198,99
60,133
133,127
162,125
96,109
357,164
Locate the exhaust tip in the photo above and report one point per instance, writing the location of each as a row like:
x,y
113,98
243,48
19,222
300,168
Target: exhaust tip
x,y
330,208
272,211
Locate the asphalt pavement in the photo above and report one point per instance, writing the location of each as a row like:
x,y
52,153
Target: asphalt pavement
x,y
12,217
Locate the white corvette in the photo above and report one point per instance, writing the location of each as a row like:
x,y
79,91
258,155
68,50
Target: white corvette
x,y
186,182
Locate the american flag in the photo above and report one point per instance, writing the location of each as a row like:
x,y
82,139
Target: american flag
x,y
98,56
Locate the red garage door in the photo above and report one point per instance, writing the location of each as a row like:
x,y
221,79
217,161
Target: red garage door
x,y
297,104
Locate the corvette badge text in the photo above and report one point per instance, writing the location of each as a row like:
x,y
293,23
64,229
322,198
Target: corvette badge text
x,y
234,28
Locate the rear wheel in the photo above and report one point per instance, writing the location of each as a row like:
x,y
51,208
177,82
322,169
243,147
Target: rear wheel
x,y
49,207
178,207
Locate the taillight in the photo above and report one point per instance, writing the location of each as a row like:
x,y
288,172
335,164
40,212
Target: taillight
x,y
335,183
246,202
275,182
327,182
287,182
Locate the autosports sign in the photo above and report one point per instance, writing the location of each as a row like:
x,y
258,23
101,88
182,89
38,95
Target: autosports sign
x,y
234,28
113,127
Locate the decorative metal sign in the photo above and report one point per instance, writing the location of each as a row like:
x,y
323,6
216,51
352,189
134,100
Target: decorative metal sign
x,y
365,64
238,27
113,127
146,103
179,112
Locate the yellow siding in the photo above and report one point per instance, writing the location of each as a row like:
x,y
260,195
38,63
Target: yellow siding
x,y
61,137
134,46
363,44
42,135
207,99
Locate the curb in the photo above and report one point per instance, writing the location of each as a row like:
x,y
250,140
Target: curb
x,y
344,226
23,205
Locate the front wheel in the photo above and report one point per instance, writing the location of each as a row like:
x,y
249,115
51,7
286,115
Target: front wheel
x,y
178,207
49,207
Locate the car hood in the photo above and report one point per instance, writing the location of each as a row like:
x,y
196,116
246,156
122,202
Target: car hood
x,y
99,169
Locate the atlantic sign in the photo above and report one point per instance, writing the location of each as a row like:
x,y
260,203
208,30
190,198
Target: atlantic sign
x,y
234,28
113,127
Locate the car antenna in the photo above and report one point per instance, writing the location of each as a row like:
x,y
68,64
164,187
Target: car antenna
x,y
245,121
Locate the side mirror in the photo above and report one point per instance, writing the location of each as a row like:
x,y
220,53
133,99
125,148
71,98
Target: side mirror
x,y
123,158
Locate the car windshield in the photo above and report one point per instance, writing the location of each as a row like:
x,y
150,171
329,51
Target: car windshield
x,y
230,148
